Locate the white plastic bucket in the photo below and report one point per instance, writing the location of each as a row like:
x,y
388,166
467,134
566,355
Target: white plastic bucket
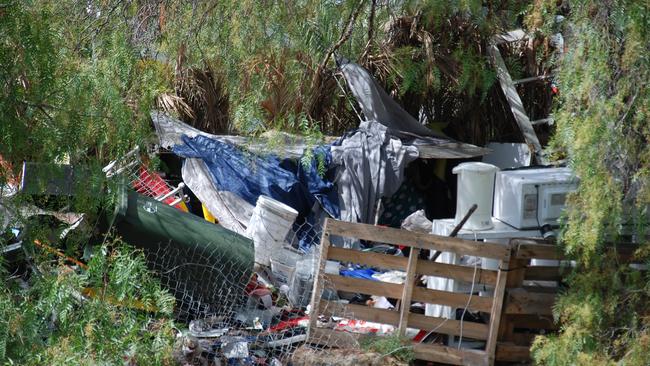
x,y
269,226
475,186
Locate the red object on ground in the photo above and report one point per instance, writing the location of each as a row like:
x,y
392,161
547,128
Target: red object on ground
x,y
285,324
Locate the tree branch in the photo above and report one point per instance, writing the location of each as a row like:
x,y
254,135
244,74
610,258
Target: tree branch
x,y
344,36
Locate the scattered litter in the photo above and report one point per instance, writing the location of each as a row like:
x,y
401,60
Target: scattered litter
x,y
381,302
391,277
234,347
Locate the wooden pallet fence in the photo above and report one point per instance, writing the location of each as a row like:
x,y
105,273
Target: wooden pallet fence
x,y
517,310
528,309
406,293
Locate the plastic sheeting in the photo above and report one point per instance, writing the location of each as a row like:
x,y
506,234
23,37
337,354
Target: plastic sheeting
x,y
378,106
250,176
233,212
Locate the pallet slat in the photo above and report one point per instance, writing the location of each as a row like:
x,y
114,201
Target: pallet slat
x,y
450,355
417,240
520,301
417,321
424,267
508,352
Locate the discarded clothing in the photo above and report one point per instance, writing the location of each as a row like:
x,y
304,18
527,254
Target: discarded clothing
x,y
371,166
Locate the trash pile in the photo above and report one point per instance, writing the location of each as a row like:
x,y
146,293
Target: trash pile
x,y
232,226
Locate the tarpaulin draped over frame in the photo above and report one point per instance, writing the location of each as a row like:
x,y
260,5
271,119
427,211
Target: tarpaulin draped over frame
x,y
250,176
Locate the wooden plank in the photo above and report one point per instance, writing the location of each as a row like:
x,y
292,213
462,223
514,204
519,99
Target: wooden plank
x,y
371,259
392,290
521,301
368,287
409,282
508,352
318,281
448,326
529,250
515,278
532,321
453,299
449,355
461,273
516,105
415,321
424,267
544,273
418,240
497,307
360,312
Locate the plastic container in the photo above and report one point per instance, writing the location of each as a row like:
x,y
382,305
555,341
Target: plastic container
x,y
282,272
475,186
303,280
269,226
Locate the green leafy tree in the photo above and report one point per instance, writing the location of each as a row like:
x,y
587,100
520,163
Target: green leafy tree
x,y
603,131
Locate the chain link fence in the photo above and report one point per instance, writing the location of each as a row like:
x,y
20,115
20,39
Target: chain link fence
x,y
254,315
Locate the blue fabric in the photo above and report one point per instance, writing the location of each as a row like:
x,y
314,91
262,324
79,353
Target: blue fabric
x,y
365,274
249,175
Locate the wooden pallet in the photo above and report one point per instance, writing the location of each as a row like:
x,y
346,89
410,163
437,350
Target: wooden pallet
x,y
516,312
408,292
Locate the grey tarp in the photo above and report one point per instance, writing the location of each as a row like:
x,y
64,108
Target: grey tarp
x,y
371,166
378,106
232,211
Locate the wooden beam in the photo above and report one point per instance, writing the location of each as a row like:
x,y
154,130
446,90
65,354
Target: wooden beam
x,y
508,352
417,240
544,273
497,307
318,280
394,291
424,267
449,326
520,301
453,299
461,273
516,105
449,355
532,321
415,321
357,285
371,259
530,250
407,291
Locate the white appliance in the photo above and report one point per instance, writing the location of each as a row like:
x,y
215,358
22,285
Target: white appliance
x,y
475,186
532,198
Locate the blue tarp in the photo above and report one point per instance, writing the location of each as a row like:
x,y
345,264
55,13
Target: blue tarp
x,y
249,175
363,273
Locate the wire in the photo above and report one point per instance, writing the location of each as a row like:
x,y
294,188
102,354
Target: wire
x,y
469,299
